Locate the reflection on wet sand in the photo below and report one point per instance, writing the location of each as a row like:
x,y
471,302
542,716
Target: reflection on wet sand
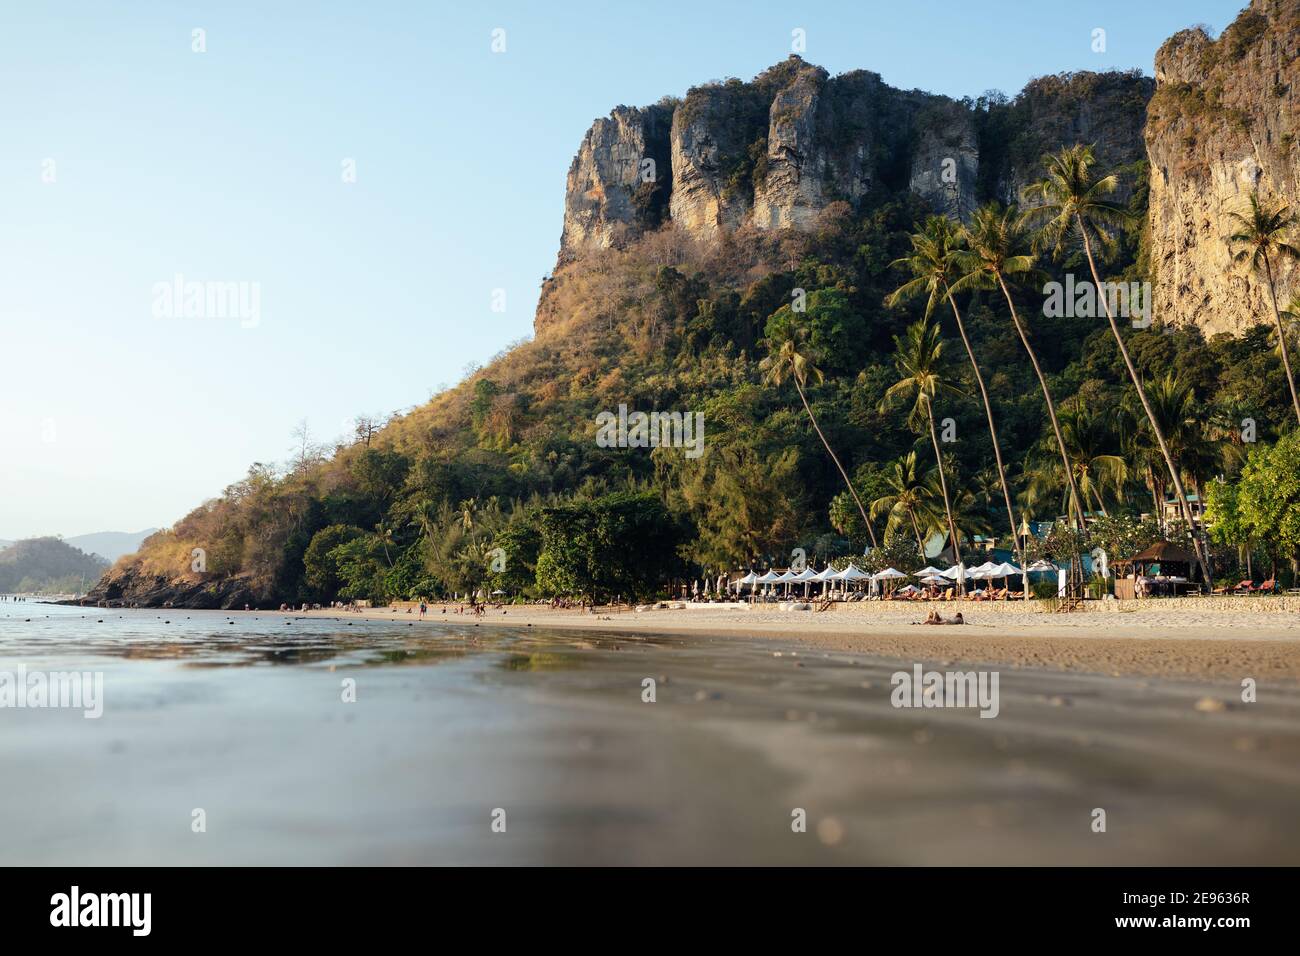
x,y
447,722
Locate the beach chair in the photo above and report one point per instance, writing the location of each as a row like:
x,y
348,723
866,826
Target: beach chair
x,y
1244,587
1268,586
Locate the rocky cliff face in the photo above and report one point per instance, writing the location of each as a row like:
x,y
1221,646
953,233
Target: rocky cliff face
x,y
619,180
1106,110
131,587
773,153
1222,123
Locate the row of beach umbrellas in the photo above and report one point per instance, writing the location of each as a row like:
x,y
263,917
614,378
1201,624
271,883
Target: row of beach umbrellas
x,y
959,573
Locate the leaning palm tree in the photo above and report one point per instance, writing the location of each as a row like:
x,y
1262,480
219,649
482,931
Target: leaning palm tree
x,y
919,364
998,253
789,359
931,264
1259,241
909,497
1071,202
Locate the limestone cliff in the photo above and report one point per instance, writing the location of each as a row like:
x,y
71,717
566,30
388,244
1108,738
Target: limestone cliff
x,y
1218,121
619,180
774,152
1222,123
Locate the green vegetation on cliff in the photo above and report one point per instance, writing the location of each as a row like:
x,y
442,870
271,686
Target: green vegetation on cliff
x,y
508,459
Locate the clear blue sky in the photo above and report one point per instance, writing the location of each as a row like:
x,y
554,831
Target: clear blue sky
x,y
226,165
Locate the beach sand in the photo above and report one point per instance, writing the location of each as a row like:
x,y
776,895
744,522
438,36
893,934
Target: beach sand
x,y
1154,638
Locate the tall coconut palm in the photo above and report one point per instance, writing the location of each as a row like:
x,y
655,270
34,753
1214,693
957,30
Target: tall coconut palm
x,y
1142,455
909,498
997,254
1090,441
1184,421
919,364
1260,241
789,359
931,264
1071,203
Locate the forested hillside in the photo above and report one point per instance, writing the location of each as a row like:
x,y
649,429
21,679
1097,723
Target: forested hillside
x,y
48,565
500,482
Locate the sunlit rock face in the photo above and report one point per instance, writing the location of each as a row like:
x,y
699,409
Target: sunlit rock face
x,y
775,152
1221,125
617,178
1217,122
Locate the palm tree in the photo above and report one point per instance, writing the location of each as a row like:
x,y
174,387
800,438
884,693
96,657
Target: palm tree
x,y
1089,440
1142,455
1260,238
1191,437
919,363
790,360
909,498
931,264
1071,202
997,251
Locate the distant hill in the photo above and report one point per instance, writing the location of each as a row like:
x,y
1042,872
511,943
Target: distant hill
x,y
48,565
110,544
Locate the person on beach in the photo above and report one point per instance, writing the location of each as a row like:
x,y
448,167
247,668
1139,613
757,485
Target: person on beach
x,y
935,617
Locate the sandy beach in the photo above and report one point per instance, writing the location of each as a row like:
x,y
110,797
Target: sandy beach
x,y
1212,639
344,740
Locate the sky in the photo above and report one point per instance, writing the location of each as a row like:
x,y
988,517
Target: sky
x,y
369,175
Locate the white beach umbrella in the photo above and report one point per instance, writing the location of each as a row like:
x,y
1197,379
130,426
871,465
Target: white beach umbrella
x,y
1042,565
927,571
851,573
749,578
888,574
824,576
768,578
955,573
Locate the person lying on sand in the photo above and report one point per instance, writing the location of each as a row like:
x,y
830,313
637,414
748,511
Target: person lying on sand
x,y
934,618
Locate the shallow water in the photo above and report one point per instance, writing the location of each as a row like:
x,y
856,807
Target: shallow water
x,y
451,722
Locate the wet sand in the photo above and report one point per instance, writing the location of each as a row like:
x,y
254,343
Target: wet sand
x,y
244,718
